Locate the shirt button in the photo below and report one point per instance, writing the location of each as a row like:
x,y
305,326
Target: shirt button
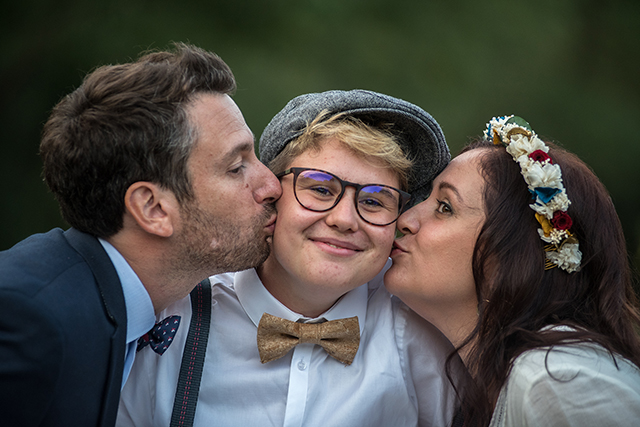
x,y
301,365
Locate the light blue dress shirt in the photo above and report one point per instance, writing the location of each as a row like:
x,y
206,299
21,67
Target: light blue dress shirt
x,y
140,313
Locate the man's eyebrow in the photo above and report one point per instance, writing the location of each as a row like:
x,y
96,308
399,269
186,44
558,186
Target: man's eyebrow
x,y
231,155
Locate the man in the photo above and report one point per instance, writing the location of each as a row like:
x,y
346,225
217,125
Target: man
x,y
154,168
311,337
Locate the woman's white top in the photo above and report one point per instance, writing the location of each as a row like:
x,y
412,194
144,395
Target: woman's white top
x,y
570,385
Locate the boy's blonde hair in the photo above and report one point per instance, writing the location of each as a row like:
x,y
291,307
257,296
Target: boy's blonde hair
x,y
376,144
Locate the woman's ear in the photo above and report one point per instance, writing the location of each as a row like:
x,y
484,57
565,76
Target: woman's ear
x,y
154,209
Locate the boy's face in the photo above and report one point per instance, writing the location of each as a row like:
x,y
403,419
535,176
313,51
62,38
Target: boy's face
x,y
319,256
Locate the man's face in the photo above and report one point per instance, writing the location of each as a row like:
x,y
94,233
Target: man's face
x,y
228,225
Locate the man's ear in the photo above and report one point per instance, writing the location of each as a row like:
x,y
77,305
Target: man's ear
x,y
154,209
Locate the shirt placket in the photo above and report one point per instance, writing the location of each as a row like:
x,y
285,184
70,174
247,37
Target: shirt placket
x,y
298,385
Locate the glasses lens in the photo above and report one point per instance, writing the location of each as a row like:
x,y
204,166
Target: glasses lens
x,y
379,204
316,190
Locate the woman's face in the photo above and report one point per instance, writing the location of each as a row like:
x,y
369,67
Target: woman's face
x,y
431,269
326,254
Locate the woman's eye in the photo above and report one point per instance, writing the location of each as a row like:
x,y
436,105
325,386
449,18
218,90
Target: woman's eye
x,y
444,207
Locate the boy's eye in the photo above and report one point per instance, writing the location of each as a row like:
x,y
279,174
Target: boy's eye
x,y
321,191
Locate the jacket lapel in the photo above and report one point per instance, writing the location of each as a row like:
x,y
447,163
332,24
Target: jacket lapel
x,y
110,290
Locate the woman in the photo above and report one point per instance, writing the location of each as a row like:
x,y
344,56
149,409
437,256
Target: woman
x,y
344,162
518,257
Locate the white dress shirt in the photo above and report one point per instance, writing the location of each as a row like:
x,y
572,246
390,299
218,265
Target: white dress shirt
x,y
396,379
140,312
572,385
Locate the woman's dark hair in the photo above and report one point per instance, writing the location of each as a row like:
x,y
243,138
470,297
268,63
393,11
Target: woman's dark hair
x,y
518,298
127,123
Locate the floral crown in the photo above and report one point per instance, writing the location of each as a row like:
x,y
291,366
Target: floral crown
x,y
544,179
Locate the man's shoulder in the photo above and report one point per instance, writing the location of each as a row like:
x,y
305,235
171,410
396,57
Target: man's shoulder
x,y
40,260
38,255
35,242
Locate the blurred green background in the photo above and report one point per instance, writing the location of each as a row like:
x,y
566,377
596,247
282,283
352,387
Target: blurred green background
x,y
570,67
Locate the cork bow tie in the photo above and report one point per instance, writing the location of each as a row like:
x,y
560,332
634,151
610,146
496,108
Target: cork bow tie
x,y
340,338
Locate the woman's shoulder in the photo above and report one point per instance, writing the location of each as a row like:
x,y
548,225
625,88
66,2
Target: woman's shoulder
x,y
568,361
582,383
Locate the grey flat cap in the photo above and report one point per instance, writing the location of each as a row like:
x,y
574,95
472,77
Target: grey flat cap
x,y
419,134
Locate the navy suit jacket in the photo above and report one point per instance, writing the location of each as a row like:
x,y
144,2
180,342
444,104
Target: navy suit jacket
x,y
62,332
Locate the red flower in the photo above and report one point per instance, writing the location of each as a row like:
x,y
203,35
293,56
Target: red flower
x,y
561,220
540,156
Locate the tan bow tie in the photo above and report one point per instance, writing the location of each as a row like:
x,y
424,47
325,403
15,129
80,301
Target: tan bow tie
x,y
340,338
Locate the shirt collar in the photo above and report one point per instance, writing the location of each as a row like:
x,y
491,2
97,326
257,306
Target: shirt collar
x,y
257,300
140,313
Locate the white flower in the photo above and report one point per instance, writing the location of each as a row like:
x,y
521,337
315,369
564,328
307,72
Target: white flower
x,y
543,175
542,209
522,145
568,257
544,180
560,202
543,237
555,237
496,124
526,163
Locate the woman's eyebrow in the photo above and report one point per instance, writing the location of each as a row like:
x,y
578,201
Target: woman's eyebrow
x,y
448,186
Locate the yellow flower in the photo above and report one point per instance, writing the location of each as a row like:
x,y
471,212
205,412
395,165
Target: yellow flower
x,y
544,222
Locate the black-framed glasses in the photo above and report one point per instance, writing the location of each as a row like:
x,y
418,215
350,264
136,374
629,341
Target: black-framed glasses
x,y
320,191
